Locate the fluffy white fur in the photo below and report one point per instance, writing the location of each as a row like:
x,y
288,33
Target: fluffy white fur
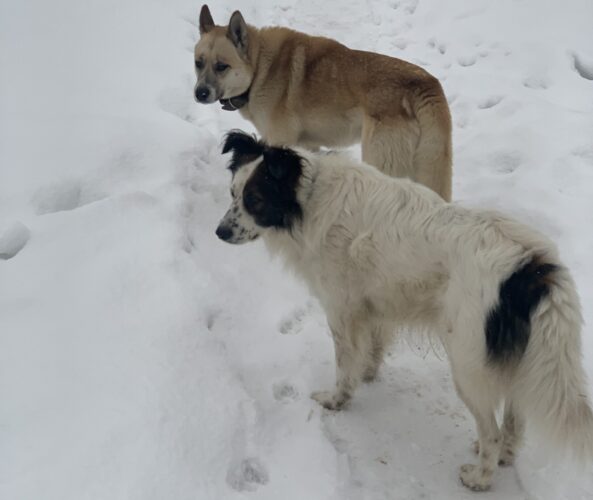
x,y
380,253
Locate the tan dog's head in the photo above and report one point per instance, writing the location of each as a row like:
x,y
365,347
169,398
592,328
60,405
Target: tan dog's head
x,y
222,62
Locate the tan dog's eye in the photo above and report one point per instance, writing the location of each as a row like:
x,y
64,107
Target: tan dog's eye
x,y
199,64
220,67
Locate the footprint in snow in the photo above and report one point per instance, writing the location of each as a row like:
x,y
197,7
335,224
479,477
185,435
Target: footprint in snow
x,y
294,323
409,6
585,152
212,318
506,162
401,44
13,240
490,102
536,82
441,47
247,474
461,121
468,60
284,392
583,66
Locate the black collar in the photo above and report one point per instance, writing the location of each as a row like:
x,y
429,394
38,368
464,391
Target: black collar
x,y
235,103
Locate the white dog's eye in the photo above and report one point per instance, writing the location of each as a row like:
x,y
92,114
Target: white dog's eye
x,y
251,200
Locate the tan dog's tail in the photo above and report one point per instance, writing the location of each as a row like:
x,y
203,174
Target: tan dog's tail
x,y
433,156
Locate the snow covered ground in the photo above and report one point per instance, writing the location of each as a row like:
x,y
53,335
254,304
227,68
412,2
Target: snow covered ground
x,y
141,358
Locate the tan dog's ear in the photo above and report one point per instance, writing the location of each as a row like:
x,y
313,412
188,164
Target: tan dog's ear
x,y
237,31
206,21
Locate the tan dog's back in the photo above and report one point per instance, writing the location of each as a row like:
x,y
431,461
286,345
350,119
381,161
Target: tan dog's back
x,y
314,92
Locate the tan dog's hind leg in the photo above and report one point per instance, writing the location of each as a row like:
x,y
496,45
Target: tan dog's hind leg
x,y
389,144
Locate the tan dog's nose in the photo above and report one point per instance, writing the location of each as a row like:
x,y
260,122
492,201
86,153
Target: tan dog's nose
x,y
202,94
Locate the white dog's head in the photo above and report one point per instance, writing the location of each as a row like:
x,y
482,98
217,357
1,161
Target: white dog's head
x,y
263,188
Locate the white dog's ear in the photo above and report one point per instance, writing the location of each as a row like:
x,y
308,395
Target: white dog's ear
x,y
237,31
245,148
277,170
282,163
206,21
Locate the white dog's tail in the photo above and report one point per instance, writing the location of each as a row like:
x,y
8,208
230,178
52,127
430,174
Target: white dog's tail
x,y
550,381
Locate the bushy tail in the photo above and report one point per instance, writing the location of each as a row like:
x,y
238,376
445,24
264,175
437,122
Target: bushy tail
x,y
433,156
550,383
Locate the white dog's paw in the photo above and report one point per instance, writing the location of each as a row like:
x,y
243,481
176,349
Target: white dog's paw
x,y
370,375
329,400
506,458
472,476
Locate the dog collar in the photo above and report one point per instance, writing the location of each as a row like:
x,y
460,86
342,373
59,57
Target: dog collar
x,y
235,103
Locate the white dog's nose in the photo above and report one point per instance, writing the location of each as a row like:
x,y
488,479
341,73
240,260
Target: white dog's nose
x,y
225,233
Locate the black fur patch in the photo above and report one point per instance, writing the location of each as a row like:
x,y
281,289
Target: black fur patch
x,y
508,324
270,194
245,148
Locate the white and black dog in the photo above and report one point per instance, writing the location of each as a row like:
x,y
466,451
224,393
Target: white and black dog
x,y
380,253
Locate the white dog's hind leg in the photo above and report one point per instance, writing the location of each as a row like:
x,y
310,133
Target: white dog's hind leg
x,y
379,337
479,477
513,428
352,343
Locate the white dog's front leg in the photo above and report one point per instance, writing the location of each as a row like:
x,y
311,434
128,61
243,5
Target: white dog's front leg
x,y
352,344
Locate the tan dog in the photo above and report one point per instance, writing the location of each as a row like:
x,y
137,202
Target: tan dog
x,y
313,91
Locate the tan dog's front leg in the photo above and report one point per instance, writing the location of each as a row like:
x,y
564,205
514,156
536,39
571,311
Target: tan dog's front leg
x,y
283,135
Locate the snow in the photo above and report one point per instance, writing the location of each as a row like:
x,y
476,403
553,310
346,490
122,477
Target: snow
x,y
142,358
13,240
